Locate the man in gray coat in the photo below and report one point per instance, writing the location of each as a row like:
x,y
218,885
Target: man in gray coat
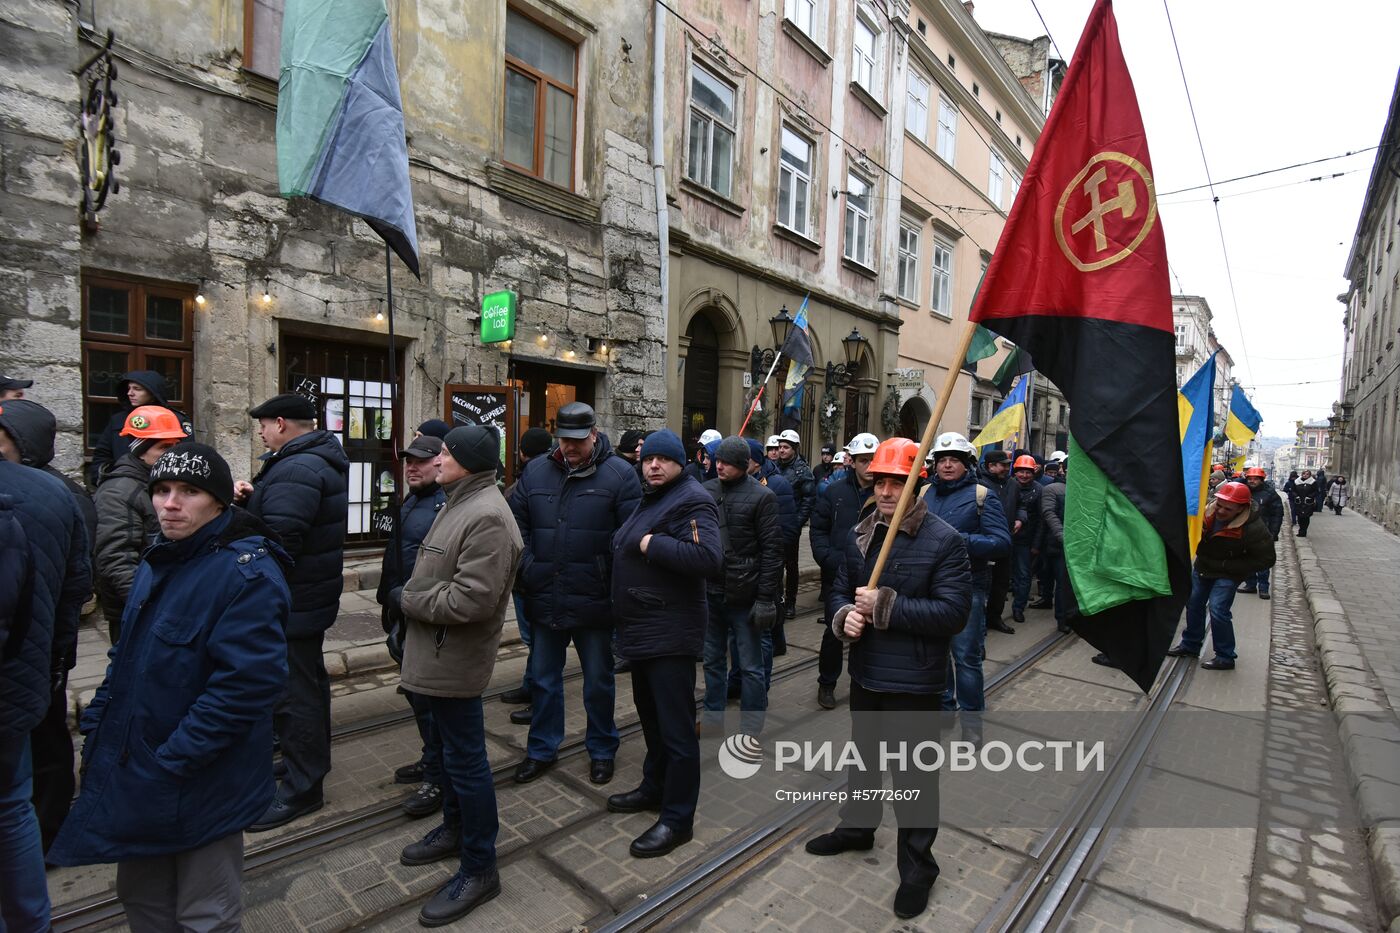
x,y
455,605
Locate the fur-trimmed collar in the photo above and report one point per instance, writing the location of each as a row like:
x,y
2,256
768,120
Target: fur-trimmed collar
x,y
910,524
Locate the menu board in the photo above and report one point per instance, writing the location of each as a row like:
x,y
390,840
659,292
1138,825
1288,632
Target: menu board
x,y
493,406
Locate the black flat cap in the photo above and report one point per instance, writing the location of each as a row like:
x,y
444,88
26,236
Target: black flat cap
x,y
423,447
287,405
7,383
574,420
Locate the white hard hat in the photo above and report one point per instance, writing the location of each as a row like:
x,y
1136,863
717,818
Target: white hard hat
x,y
710,434
772,441
1059,456
951,442
790,436
864,443
840,457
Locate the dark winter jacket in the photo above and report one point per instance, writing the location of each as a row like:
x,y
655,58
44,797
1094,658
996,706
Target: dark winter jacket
x,y
1009,492
924,597
1052,516
1270,507
803,483
126,524
1234,551
1319,488
658,597
1306,495
1027,505
986,535
178,748
19,697
837,510
34,428
38,655
415,518
300,493
772,477
567,519
752,535
111,445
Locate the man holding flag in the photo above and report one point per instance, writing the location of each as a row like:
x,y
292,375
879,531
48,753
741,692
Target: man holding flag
x,y
1079,281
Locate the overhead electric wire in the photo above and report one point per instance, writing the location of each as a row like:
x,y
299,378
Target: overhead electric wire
x,y
1287,184
1219,224
1269,171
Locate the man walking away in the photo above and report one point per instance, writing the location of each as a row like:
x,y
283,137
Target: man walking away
x,y
301,494
568,505
421,465
899,634
1270,508
455,606
1234,546
804,489
742,599
534,442
177,760
662,557
996,476
1025,536
837,510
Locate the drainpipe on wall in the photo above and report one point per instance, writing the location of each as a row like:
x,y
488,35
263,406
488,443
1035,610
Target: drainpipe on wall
x,y
658,163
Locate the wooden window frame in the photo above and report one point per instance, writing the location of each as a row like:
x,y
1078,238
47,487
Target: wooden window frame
x,y
783,218
935,270
249,29
867,213
908,231
542,82
714,120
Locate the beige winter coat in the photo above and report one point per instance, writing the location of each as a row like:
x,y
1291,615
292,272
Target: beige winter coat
x,y
455,602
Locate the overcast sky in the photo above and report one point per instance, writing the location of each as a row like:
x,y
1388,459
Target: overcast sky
x,y
1274,83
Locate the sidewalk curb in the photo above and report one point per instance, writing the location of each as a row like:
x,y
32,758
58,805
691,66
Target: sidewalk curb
x,y
1371,744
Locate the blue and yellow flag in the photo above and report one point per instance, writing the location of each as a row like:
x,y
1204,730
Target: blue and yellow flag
x,y
1244,420
340,132
1008,418
1196,417
798,349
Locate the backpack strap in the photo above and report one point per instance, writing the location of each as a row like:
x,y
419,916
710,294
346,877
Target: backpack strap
x,y
981,498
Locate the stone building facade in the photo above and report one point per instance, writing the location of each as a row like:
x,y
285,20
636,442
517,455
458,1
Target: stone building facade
x,y
528,131
1366,422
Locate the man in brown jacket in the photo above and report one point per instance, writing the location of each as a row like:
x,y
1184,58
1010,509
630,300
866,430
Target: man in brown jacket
x,y
455,604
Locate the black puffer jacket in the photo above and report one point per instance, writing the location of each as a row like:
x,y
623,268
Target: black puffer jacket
x,y
1028,510
1241,548
35,653
659,597
1052,517
34,428
924,597
415,518
567,520
300,493
1008,491
837,509
803,483
1270,507
126,523
110,445
752,531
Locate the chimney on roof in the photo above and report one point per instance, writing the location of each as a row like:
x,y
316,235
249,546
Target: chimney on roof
x,y
968,5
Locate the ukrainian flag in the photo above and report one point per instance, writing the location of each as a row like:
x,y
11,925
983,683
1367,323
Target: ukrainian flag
x,y
1008,418
1244,420
1195,415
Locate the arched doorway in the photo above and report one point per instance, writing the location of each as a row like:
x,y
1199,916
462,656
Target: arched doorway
x,y
700,391
913,417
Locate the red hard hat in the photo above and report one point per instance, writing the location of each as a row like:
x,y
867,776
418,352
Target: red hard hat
x,y
1255,471
894,457
1237,493
153,421
1024,462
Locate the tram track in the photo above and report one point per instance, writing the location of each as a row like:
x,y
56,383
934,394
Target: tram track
x,y
100,910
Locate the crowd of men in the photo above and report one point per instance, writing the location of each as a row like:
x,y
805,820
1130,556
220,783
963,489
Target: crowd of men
x,y
663,562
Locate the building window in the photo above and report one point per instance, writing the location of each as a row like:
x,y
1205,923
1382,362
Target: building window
x,y
857,244
864,48
998,116
952,62
262,37
909,262
976,91
540,100
133,325
916,111
947,130
803,14
794,181
710,159
995,174
941,294
1015,189
1180,337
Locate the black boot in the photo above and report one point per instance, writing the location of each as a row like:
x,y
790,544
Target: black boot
x,y
841,839
659,840
910,900
459,897
442,842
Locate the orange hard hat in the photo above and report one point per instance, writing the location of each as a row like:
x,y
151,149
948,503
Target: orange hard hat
x,y
1024,462
1217,468
152,422
1237,493
894,457
1255,471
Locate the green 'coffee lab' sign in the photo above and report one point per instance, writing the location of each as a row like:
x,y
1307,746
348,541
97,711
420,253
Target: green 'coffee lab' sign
x,y
498,316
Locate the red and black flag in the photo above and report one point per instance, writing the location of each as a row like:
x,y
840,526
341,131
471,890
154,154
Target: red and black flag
x,y
1079,282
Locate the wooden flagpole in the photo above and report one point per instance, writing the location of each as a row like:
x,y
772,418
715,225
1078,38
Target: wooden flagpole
x,y
910,484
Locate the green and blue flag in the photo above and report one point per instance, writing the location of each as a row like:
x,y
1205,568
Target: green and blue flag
x,y
1195,413
340,129
798,349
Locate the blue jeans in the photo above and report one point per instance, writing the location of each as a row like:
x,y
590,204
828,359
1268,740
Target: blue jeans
x,y
753,692
1020,578
432,741
1217,596
469,800
968,647
523,624
1261,580
736,674
594,648
24,892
